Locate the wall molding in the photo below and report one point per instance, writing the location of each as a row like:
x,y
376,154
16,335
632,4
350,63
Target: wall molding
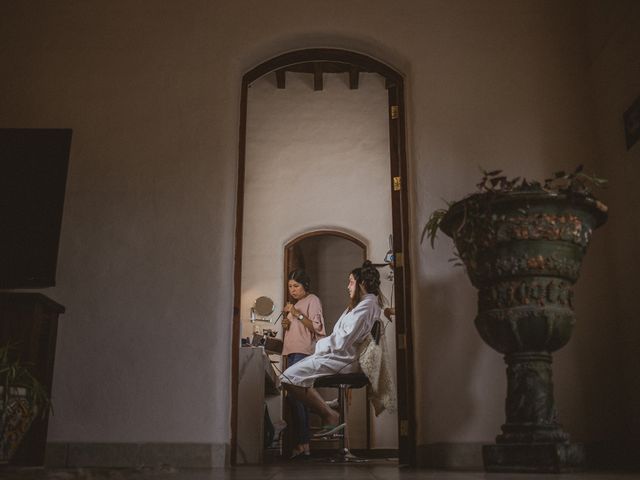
x,y
601,455
136,455
451,456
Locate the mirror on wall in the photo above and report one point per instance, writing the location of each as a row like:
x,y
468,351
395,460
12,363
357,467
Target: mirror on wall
x,y
262,309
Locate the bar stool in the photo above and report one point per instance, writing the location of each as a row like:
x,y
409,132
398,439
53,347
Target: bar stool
x,y
343,382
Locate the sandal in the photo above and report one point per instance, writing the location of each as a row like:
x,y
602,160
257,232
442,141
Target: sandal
x,y
333,404
301,455
328,430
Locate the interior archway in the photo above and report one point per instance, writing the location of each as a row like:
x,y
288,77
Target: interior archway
x,y
317,252
323,254
316,60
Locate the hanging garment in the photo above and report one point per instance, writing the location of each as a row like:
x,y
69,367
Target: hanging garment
x,y
374,361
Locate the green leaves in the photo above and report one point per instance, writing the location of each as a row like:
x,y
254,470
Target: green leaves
x,y
576,182
491,185
433,223
14,375
493,182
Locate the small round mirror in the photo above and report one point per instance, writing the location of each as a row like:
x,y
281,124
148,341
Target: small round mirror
x,y
263,306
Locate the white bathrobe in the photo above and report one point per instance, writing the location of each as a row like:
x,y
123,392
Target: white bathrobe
x,y
337,353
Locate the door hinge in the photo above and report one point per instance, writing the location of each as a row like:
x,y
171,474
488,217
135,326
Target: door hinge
x,y
404,428
395,112
398,260
401,341
397,184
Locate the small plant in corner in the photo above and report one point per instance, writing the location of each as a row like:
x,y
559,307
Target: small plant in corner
x,y
22,399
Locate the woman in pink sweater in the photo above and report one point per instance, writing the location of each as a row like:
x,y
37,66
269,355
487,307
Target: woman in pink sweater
x,y
303,325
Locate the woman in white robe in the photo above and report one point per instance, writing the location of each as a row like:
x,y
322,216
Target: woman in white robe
x,y
337,353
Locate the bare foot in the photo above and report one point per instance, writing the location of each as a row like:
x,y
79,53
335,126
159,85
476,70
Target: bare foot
x,y
296,452
332,419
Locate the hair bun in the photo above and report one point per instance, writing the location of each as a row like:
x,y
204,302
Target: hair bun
x,y
369,276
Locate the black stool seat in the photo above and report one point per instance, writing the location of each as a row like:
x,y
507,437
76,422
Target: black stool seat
x,y
353,380
343,382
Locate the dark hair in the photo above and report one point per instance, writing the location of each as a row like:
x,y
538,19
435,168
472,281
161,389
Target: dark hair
x,y
301,277
369,277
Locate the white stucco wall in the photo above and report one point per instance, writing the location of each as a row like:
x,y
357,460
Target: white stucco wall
x,y
316,160
614,72
151,90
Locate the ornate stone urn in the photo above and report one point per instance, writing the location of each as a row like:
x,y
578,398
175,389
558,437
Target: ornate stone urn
x,y
523,251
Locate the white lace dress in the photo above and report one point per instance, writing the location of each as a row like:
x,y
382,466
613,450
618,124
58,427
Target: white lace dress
x,y
337,353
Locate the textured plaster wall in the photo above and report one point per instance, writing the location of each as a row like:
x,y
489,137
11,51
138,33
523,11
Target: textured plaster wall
x,y
151,90
146,251
614,46
314,161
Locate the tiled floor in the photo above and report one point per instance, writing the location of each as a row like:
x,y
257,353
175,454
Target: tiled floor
x,y
306,471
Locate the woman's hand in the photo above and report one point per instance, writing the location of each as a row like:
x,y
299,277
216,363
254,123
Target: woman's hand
x,y
389,312
286,322
289,308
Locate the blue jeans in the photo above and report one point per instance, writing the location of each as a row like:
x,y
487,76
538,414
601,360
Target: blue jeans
x,y
298,409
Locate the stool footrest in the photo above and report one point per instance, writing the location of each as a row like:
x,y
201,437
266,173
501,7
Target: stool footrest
x,y
330,431
343,382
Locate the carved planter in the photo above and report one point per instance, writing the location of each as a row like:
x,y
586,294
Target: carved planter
x,y
15,419
523,251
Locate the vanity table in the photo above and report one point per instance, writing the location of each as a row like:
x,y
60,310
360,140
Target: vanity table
x,y
257,380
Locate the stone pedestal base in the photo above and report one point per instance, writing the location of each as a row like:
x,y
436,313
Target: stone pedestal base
x,y
534,457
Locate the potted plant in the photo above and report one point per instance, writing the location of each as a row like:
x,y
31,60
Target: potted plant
x,y
522,244
22,398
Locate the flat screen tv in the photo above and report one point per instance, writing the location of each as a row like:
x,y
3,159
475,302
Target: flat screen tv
x,y
33,177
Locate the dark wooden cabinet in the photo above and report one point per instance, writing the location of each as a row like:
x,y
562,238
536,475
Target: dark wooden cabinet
x,y
30,320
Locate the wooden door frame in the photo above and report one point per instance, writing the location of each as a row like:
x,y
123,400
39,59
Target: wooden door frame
x,y
398,182
317,233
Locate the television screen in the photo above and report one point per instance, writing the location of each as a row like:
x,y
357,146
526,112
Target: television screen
x,y
33,176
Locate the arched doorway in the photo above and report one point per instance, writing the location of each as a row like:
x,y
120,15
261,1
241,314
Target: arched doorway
x,y
326,256
323,254
317,61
